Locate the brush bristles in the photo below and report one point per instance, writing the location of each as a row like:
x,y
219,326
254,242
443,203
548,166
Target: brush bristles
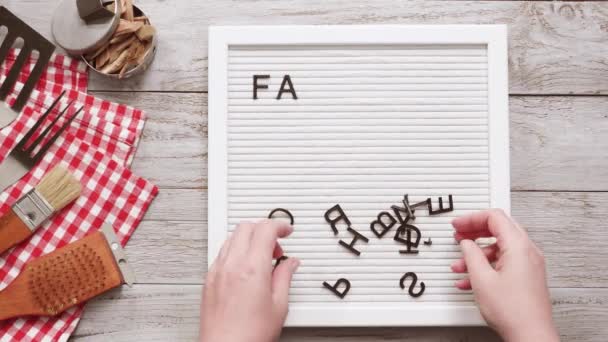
x,y
59,188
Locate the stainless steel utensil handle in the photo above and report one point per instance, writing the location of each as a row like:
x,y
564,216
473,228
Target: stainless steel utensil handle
x,y
11,170
7,115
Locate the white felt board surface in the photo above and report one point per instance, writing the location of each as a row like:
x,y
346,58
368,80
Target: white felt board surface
x,y
381,111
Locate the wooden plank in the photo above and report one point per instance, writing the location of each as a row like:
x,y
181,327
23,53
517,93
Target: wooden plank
x,y
559,143
168,249
554,140
171,313
173,150
545,56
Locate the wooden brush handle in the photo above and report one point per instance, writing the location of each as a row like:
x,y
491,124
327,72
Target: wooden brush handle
x,y
15,301
62,279
12,231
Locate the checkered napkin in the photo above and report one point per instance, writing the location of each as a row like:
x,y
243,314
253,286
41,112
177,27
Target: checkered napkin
x,y
117,141
95,148
111,193
66,71
126,122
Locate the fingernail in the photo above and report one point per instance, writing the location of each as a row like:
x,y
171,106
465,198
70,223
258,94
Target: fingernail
x,y
294,264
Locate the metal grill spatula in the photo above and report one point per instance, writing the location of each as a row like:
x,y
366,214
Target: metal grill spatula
x,y
32,41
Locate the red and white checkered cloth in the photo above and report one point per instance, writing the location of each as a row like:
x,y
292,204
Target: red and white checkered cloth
x,y
111,193
72,78
95,148
63,70
118,142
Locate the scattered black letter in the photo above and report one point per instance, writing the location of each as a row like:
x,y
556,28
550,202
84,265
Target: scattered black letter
x,y
385,227
441,210
407,229
341,217
334,288
284,211
350,246
413,284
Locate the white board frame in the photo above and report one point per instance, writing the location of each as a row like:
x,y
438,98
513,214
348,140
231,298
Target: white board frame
x,y
358,314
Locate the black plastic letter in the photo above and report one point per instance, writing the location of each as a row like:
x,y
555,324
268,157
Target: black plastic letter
x,y
407,210
408,229
385,227
284,211
292,90
257,86
413,284
350,246
334,288
341,217
441,210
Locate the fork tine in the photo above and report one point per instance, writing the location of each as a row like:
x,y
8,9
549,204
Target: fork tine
x,y
46,131
31,132
50,143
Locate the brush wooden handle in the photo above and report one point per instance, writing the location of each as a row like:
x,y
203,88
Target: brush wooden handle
x,y
12,231
62,279
16,300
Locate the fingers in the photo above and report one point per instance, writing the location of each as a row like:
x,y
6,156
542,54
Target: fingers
x,y
240,241
476,262
488,223
463,284
221,257
264,239
278,251
281,281
471,236
490,252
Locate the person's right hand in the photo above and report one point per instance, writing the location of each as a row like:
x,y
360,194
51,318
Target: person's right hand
x,y
508,277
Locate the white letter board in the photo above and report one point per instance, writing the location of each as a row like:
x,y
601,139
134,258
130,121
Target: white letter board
x,y
381,111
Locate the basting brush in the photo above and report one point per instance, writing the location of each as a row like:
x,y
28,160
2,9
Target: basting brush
x,y
54,192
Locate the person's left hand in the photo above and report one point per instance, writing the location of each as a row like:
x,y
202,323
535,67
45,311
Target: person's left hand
x,y
243,298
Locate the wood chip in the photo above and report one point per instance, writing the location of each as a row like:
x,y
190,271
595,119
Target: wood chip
x,y
117,65
142,57
102,59
116,50
119,39
129,45
128,66
91,56
123,7
139,50
128,14
125,27
145,33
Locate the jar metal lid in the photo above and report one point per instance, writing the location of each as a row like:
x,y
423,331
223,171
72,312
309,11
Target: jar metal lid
x,y
82,26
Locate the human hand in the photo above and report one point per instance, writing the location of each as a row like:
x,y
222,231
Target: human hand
x,y
243,298
512,294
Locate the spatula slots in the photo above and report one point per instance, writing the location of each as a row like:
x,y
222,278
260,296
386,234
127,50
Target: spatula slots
x,y
32,41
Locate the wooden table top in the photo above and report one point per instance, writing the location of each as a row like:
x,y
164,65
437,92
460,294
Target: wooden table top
x,y
558,61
